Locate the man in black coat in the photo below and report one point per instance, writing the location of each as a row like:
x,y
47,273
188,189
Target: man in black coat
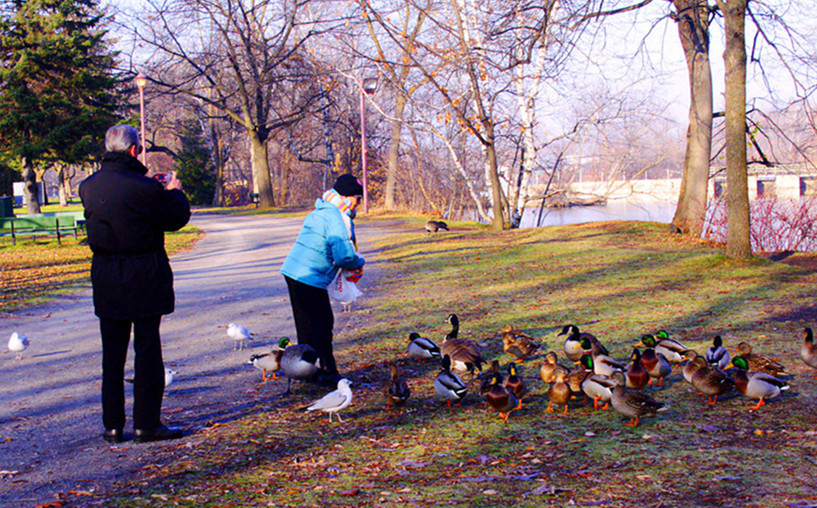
x,y
126,215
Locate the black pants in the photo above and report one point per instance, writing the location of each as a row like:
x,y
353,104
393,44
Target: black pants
x,y
149,377
313,320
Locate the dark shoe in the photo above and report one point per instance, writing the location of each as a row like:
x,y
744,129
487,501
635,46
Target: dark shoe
x,y
113,436
326,380
160,433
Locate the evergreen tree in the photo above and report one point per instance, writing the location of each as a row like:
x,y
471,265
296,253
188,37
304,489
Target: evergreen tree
x,y
60,90
196,169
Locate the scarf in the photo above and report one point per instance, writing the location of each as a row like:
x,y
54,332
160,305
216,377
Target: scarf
x,y
344,204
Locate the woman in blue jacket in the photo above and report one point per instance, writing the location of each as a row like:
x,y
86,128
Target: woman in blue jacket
x,y
324,245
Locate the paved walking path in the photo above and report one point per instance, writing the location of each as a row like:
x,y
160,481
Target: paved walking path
x,y
50,417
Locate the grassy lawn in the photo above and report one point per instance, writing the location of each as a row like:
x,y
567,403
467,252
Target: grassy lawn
x,y
616,280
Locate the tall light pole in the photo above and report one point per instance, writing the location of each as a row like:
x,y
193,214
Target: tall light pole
x,y
141,81
369,86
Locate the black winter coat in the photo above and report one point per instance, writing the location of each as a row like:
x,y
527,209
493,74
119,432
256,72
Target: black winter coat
x,y
126,215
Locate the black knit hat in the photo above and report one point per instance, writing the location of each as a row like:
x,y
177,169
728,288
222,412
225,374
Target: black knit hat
x,y
348,185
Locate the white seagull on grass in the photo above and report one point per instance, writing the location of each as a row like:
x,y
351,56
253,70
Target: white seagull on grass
x,y
333,402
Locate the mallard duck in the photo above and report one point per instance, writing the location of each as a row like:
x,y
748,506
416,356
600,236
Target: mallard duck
x,y
575,377
808,352
691,366
465,354
573,346
515,383
299,361
433,226
671,349
632,403
550,366
398,390
716,354
239,334
422,347
598,388
760,363
270,361
756,385
17,344
334,402
449,385
502,399
558,393
656,364
710,381
492,376
635,373
518,344
602,364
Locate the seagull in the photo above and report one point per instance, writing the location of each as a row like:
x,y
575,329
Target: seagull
x,y
17,344
170,375
239,334
334,401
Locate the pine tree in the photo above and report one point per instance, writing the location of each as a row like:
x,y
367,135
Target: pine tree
x,y
60,90
196,169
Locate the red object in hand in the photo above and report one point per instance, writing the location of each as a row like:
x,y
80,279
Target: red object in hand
x,y
162,178
355,275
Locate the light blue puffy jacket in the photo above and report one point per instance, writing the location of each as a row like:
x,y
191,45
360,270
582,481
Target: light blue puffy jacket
x,y
323,247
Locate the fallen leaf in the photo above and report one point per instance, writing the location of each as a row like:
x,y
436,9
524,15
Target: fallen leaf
x,y
350,492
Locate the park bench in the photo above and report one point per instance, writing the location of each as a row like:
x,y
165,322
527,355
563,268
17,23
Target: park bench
x,y
57,224
255,198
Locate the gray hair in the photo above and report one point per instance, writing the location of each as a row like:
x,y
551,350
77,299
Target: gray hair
x,y
120,138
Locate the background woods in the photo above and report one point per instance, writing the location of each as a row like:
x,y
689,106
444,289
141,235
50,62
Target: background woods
x,y
470,104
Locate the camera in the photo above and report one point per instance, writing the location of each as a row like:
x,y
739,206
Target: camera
x,y
162,178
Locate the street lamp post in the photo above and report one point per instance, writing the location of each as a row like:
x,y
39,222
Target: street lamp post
x,y
369,86
141,81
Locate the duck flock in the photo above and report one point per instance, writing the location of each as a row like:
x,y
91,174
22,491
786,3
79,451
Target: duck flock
x,y
583,368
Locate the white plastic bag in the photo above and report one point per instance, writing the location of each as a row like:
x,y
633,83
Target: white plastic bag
x,y
342,290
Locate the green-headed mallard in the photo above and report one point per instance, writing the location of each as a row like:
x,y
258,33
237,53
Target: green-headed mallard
x,y
756,385
270,361
656,364
422,347
449,385
598,388
558,393
760,363
550,366
635,373
710,381
465,354
717,355
660,341
518,344
602,364
808,352
398,390
299,361
573,345
501,399
632,403
515,383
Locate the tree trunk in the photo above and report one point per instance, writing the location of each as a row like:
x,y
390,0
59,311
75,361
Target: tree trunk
x,y
693,30
498,222
64,184
260,170
30,189
394,148
738,241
